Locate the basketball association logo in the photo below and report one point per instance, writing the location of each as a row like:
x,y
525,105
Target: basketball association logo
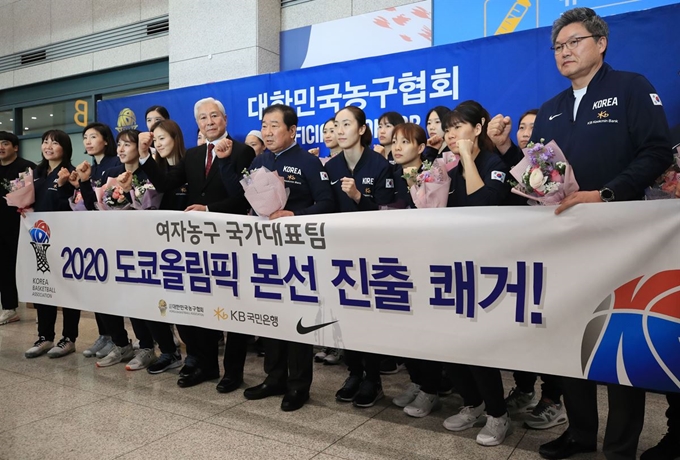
x,y
634,337
40,240
126,120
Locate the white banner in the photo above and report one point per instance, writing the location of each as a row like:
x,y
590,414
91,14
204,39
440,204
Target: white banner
x,y
594,292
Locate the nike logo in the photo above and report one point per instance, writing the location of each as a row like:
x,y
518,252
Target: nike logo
x,y
335,182
302,330
551,117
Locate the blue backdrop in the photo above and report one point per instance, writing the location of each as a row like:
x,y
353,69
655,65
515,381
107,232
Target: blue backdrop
x,y
506,73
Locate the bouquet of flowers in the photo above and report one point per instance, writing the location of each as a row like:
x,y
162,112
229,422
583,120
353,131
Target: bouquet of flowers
x,y
430,187
111,197
144,195
21,192
76,202
665,186
265,191
450,159
543,175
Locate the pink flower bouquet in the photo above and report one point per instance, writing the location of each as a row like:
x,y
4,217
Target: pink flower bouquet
x,y
111,197
543,175
665,186
451,160
265,191
76,202
144,195
431,187
21,192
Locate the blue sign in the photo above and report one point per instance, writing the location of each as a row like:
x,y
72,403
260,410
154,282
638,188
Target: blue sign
x,y
507,74
457,21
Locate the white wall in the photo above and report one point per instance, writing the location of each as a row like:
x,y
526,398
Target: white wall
x,y
29,24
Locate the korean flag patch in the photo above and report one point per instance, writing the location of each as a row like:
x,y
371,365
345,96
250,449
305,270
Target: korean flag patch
x,y
324,175
389,183
498,175
656,100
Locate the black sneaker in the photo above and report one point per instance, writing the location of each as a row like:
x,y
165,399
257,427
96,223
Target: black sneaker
x,y
667,449
369,393
349,389
165,362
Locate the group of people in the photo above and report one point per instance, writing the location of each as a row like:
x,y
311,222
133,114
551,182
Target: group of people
x,y
611,161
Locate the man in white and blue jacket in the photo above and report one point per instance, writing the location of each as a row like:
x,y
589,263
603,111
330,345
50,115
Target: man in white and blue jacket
x,y
613,131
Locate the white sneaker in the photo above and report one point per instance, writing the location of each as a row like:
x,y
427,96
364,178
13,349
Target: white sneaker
x,y
98,344
8,316
467,418
117,355
62,348
546,415
423,405
333,357
408,396
518,402
106,349
320,356
144,357
40,347
495,430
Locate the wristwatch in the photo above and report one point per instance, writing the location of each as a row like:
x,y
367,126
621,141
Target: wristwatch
x,y
606,194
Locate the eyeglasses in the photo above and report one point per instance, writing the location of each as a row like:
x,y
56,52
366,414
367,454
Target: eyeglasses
x,y
571,43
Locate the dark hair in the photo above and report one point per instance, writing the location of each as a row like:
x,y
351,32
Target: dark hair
x,y
290,117
528,112
360,117
157,108
411,131
471,112
594,24
330,120
105,131
441,111
7,136
65,142
129,135
178,150
393,118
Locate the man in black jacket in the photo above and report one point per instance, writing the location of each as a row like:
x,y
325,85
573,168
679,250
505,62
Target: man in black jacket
x,y
11,165
612,129
206,191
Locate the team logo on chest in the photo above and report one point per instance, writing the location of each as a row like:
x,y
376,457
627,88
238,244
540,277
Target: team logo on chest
x,y
609,102
292,170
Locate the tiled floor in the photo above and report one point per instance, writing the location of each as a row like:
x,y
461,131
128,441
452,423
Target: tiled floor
x,y
68,409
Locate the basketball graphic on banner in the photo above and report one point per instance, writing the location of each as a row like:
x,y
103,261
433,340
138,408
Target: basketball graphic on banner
x,y
634,337
40,233
40,239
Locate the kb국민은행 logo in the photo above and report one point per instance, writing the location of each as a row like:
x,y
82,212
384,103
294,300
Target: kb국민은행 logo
x,y
126,120
40,240
634,337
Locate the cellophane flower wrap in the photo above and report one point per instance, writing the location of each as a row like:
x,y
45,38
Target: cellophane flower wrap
x,y
665,186
21,192
431,187
265,191
543,176
76,201
111,197
450,159
144,195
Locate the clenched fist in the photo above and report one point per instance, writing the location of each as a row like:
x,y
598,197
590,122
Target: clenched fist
x,y
125,181
84,171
